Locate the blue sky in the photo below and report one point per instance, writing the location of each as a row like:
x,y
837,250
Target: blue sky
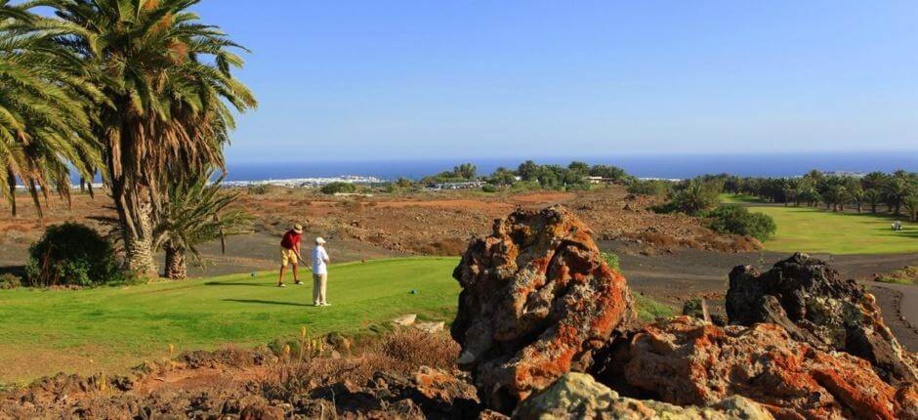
x,y
371,80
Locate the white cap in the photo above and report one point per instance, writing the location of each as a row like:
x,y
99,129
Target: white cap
x,y
320,241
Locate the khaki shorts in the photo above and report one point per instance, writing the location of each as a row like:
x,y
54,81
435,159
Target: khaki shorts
x,y
288,256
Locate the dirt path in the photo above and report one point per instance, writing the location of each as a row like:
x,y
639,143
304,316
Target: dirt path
x,y
900,303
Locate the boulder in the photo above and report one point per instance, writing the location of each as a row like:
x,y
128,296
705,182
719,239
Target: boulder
x,y
811,301
431,327
687,362
405,320
537,299
577,395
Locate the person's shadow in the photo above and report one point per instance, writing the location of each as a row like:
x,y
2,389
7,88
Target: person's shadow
x,y
266,302
236,283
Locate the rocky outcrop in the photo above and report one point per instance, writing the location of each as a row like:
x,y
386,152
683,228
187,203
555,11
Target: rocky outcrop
x,y
687,362
578,395
811,301
537,300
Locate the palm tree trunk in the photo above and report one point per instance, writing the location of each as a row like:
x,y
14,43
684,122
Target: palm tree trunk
x,y
176,263
135,213
11,184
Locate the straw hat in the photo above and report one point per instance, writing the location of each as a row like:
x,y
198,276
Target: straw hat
x,y
320,241
298,228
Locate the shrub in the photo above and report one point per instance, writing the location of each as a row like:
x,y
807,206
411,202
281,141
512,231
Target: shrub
x,y
72,254
488,188
736,219
338,187
650,187
258,189
411,349
695,197
9,281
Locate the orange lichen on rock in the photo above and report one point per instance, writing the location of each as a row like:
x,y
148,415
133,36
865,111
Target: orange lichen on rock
x,y
687,362
537,299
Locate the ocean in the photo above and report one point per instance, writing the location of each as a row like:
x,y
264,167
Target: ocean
x,y
667,166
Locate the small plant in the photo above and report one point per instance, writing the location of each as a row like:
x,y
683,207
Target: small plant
x,y
259,189
649,310
72,254
905,275
611,260
9,281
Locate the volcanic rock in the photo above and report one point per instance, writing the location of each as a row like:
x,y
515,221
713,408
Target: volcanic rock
x,y
577,395
537,299
810,300
687,362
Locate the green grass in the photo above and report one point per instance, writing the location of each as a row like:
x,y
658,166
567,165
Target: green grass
x,y
45,331
649,310
812,230
739,199
111,329
905,275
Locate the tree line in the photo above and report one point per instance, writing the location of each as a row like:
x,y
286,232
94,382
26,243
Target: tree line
x,y
139,92
530,175
894,193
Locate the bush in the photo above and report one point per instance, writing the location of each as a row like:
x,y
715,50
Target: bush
x,y
488,188
338,187
72,254
258,189
9,281
650,187
694,197
733,218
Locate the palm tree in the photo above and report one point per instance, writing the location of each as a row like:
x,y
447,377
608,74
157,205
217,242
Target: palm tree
x,y
196,211
44,124
170,92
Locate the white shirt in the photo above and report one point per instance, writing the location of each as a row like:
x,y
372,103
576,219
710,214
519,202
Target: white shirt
x,y
319,256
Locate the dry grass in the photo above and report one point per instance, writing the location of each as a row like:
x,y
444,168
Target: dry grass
x,y
400,352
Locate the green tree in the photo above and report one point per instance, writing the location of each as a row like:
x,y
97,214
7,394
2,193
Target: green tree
x,y
911,205
169,101
502,177
579,168
44,98
197,211
528,170
609,172
896,189
873,197
855,192
466,171
696,196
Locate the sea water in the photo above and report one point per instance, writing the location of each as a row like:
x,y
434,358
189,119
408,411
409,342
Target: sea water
x,y
669,166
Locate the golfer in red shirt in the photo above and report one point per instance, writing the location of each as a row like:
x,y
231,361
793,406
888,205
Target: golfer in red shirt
x,y
290,253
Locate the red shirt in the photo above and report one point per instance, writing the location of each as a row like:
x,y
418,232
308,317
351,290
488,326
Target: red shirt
x,y
291,239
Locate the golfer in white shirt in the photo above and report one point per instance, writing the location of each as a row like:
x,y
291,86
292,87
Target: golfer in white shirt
x,y
319,273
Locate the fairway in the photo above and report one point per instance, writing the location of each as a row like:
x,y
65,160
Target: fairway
x,y
44,332
807,229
